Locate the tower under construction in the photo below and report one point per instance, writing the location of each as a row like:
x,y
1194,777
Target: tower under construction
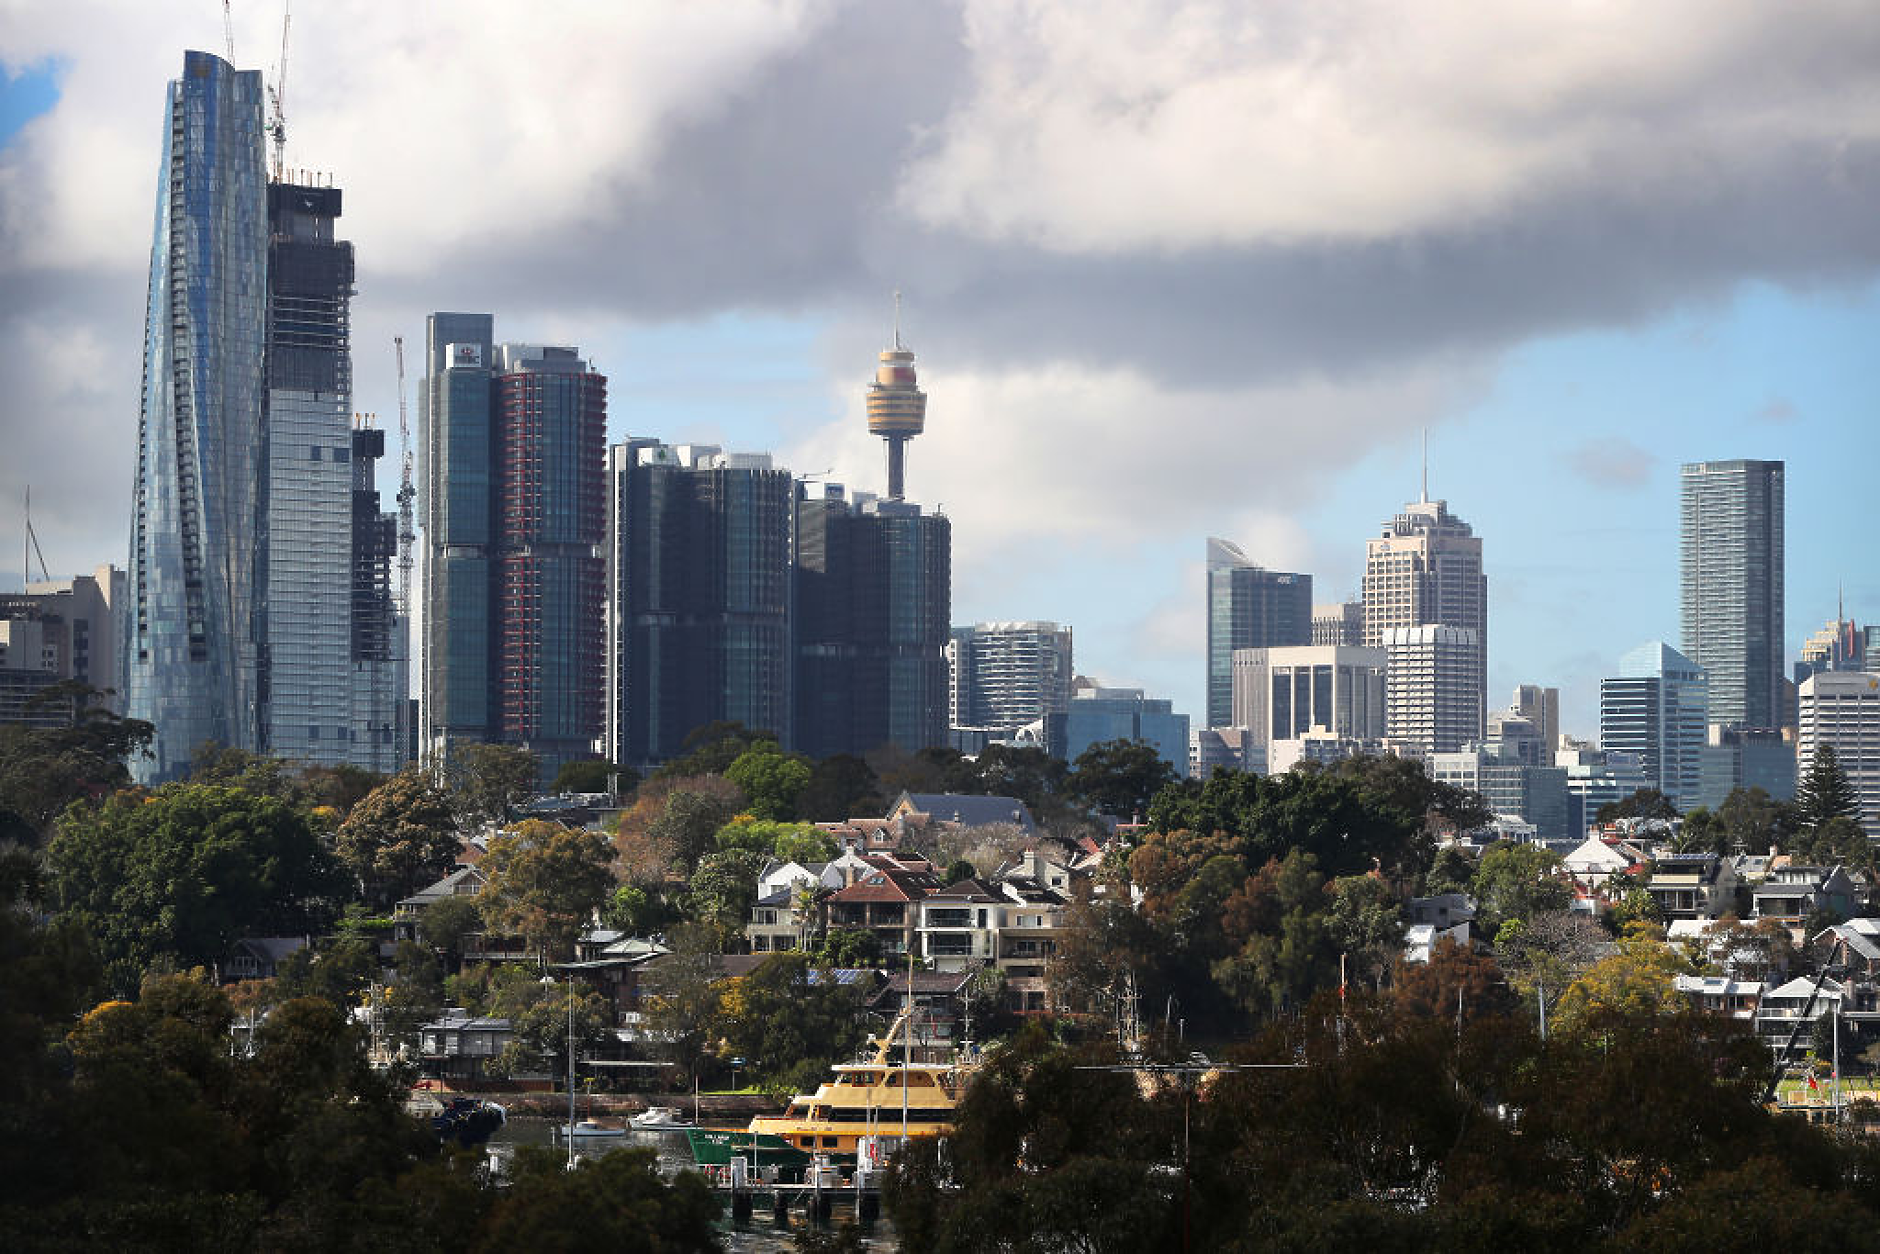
x,y
897,408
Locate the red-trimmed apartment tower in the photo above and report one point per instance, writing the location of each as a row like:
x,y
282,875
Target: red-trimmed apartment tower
x,y
549,442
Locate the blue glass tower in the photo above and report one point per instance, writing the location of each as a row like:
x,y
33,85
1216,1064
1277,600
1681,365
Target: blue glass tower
x,y
192,593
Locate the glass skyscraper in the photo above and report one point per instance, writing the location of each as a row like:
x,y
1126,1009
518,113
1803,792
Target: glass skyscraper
x,y
698,595
1655,708
1249,607
1731,586
514,440
193,631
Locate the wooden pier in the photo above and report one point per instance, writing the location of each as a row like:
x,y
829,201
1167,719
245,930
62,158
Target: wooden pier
x,y
822,1197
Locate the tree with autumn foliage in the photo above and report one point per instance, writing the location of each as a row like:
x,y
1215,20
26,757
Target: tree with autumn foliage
x,y
544,882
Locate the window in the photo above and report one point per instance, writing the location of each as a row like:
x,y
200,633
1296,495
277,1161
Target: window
x,y
313,453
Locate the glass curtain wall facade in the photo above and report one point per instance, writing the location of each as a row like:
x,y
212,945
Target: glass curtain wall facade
x,y
872,585
1656,707
698,596
1731,586
191,631
1249,607
306,663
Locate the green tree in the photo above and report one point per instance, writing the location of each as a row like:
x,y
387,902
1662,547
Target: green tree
x,y
787,842
538,1010
1119,777
724,886
43,769
1031,775
840,786
590,775
180,874
1366,922
486,782
770,778
1755,822
1646,803
848,948
683,1007
712,748
1342,822
445,922
1633,982
1452,871
544,881
1824,792
1515,881
633,909
687,828
1402,783
1289,950
339,973
1544,953
615,1202
400,837
792,1025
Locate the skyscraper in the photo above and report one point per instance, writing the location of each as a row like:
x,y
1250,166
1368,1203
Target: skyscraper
x,y
192,632
1249,607
380,674
515,439
1655,707
1005,675
873,596
1731,586
897,408
1426,570
1432,686
306,665
1841,709
697,595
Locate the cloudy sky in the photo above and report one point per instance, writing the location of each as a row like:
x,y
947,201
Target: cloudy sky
x,y
1171,270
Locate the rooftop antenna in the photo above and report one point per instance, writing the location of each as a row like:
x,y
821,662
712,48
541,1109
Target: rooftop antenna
x,y
897,317
1426,465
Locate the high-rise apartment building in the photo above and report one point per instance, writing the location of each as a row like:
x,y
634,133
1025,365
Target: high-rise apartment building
x,y
1541,707
1425,569
1005,675
1249,607
1286,693
698,595
1841,709
1432,686
1731,586
873,599
515,511
193,633
1656,707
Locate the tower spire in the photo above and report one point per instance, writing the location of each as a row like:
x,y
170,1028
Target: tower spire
x,y
1424,493
897,318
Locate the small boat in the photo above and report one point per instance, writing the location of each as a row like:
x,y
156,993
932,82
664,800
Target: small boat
x,y
589,1130
468,1121
660,1119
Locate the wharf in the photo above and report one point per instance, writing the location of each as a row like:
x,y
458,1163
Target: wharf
x,y
819,1200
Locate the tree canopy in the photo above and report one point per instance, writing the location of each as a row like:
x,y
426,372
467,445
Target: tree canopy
x,y
400,837
545,880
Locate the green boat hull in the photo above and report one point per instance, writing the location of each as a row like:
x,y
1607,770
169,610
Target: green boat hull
x,y
716,1147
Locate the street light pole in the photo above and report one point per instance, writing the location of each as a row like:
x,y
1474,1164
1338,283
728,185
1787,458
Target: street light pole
x,y
571,1070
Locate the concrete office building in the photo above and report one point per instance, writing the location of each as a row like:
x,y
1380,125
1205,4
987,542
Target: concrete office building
x,y
873,599
697,596
1284,693
514,506
1597,777
1249,607
1424,570
1731,587
1340,623
78,620
1656,708
1534,794
1095,715
1841,709
1540,707
1746,757
194,589
1433,699
1004,675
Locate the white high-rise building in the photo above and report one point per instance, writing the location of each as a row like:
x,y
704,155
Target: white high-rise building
x,y
1284,693
1426,570
1841,709
1433,700
1005,675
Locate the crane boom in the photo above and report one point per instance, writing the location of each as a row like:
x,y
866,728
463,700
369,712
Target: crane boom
x,y
277,124
228,31
407,533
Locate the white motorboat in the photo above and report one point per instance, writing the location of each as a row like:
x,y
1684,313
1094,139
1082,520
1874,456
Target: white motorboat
x,y
588,1130
660,1119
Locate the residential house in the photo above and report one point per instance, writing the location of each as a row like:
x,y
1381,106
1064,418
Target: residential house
x,y
1792,893
884,900
1722,995
465,881
1789,1013
461,1046
1693,886
1442,911
963,810
1852,947
1595,861
260,957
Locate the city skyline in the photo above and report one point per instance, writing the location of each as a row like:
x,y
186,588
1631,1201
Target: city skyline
x,y
1258,376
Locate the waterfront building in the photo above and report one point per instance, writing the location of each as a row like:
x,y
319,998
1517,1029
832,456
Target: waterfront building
x,y
1249,607
1425,570
1005,675
1841,709
514,505
1284,693
1656,708
193,594
1433,699
872,585
1731,587
698,588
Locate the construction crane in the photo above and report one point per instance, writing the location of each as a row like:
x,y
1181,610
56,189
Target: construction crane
x,y
277,123
407,533
228,31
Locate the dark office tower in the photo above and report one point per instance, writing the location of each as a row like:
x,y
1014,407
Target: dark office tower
x,y
191,633
1249,607
873,584
377,630
1730,585
306,671
698,595
514,439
